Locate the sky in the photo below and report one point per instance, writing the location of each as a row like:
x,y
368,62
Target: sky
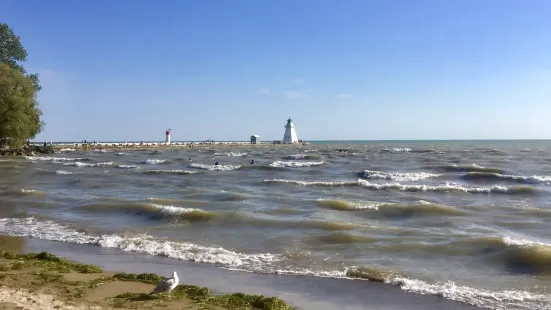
x,y
342,70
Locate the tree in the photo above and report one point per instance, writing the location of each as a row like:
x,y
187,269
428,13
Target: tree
x,y
19,112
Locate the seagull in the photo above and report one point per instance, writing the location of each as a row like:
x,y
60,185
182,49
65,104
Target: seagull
x,y
166,285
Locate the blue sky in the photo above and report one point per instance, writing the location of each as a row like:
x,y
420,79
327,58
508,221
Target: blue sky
x,y
129,69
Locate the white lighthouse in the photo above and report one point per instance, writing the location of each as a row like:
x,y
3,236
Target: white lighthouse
x,y
290,133
167,136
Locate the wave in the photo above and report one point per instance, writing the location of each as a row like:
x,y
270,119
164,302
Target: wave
x,y
281,164
232,154
49,230
468,168
152,210
447,187
397,150
80,164
341,205
215,167
128,166
51,158
31,192
271,263
63,172
174,171
422,208
302,156
154,161
536,179
66,150
396,176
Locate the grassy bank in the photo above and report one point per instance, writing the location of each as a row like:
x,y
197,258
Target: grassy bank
x,y
43,280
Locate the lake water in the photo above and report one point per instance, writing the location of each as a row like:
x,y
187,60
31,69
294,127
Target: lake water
x,y
466,221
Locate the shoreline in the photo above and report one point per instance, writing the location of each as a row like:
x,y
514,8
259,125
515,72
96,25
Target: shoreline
x,y
45,281
301,292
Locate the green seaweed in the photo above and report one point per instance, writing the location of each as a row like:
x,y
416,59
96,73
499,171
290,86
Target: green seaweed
x,y
246,301
149,278
47,261
77,289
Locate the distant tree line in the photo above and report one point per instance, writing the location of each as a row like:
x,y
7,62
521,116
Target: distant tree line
x,y
19,112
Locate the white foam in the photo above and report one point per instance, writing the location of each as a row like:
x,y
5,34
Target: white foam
x,y
447,187
80,164
63,172
535,179
51,158
172,210
66,150
296,156
120,154
215,167
175,171
281,164
154,161
128,166
31,191
360,206
505,300
398,150
397,176
230,154
510,241
313,183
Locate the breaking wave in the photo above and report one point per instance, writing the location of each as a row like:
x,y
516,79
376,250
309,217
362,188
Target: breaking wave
x,y
128,166
51,158
155,161
232,154
80,164
447,187
152,210
63,172
215,167
396,176
281,164
174,171
302,156
492,176
342,205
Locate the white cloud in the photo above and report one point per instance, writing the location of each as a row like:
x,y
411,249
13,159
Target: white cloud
x,y
264,90
294,94
344,96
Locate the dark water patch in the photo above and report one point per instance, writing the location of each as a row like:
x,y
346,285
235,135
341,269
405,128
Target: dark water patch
x,y
229,196
283,210
417,210
338,238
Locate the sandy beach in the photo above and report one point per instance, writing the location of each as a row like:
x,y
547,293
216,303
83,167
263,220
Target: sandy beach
x,y
44,281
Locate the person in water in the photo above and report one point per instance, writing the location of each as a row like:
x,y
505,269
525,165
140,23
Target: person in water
x,y
190,159
216,163
253,162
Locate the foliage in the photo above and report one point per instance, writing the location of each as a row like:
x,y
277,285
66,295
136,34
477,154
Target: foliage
x,y
19,113
47,261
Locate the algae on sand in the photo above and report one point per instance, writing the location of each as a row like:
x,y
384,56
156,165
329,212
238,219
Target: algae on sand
x,y
48,264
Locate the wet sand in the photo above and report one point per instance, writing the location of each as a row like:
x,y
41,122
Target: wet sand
x,y
302,292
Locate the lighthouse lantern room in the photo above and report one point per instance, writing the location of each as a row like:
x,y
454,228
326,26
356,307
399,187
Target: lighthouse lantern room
x,y
290,133
167,136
